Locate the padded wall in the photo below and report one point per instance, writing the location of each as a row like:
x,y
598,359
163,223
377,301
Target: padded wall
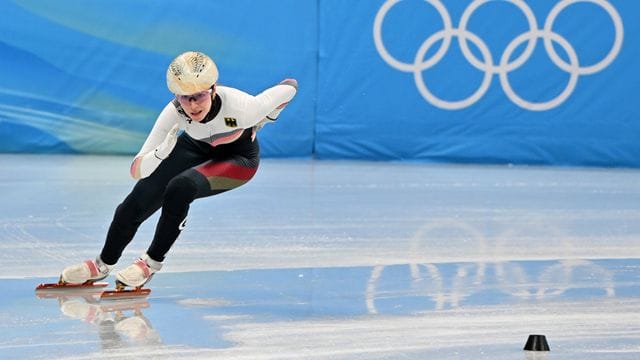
x,y
535,82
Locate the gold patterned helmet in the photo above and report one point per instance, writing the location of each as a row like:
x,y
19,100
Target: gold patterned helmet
x,y
191,72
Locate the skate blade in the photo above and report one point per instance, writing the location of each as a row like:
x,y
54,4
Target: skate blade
x,y
54,290
59,286
124,294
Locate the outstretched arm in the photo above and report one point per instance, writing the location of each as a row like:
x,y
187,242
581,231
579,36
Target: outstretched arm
x,y
275,113
159,144
267,105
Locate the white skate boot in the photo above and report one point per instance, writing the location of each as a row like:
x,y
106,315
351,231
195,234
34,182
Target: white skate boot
x,y
138,273
88,271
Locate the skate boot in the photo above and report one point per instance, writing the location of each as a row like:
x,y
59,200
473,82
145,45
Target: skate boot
x,y
138,273
88,271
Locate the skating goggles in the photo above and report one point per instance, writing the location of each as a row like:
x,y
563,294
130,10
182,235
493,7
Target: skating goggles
x,y
197,97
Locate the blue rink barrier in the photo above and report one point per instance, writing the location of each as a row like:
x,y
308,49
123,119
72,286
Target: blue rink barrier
x,y
531,82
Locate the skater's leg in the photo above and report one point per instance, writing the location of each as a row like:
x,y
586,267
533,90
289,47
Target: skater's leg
x,y
146,198
206,180
230,168
138,206
180,192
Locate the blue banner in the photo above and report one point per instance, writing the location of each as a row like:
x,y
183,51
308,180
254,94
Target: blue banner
x,y
89,77
537,82
519,81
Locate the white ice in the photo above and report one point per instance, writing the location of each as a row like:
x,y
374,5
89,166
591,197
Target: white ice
x,y
336,260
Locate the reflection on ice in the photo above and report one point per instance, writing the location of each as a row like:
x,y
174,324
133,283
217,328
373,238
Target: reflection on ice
x,y
442,286
118,323
415,309
359,260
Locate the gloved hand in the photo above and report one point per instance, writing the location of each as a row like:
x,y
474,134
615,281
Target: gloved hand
x,y
166,147
275,113
292,82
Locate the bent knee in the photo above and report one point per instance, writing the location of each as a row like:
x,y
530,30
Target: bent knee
x,y
180,190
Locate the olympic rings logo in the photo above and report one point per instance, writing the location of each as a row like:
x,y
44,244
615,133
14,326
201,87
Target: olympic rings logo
x,y
505,65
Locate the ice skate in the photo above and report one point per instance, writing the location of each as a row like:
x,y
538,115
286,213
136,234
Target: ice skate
x,y
87,272
79,278
134,276
138,273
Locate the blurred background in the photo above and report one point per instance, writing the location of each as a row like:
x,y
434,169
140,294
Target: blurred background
x,y
541,82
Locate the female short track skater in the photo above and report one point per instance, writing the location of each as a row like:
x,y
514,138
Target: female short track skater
x,y
217,151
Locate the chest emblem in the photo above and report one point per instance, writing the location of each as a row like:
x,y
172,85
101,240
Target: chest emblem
x,y
231,122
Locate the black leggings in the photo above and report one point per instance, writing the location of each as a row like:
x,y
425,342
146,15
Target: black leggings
x,y
193,170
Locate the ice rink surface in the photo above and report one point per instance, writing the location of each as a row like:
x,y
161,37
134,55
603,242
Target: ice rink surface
x,y
333,260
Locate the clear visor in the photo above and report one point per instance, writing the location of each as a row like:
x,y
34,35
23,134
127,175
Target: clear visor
x,y
197,97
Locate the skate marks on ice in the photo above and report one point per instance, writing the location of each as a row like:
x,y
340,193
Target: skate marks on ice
x,y
457,214
433,310
426,262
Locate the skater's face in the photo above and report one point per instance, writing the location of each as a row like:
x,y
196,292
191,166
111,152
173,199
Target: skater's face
x,y
197,105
